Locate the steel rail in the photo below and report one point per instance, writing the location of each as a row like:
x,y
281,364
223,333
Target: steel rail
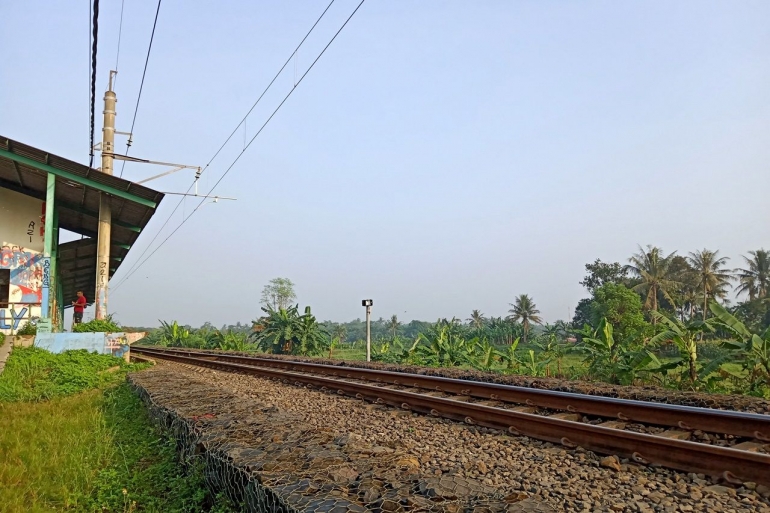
x,y
720,462
690,418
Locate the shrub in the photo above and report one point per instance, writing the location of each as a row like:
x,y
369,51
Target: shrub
x,y
27,329
107,325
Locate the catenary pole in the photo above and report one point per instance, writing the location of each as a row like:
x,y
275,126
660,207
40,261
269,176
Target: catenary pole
x,y
105,208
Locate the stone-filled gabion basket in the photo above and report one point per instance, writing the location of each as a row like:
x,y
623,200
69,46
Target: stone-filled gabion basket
x,y
268,460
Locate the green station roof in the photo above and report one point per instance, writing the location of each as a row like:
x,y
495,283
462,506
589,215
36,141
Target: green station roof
x,y
25,169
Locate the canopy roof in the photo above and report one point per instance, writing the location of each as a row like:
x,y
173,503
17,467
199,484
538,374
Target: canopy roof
x,y
24,169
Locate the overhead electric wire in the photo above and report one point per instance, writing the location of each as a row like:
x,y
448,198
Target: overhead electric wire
x,y
230,136
93,75
269,85
141,86
245,148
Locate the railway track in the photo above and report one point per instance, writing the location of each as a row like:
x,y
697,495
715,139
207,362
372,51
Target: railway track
x,y
596,423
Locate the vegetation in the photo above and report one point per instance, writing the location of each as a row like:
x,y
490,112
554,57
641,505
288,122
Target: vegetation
x,y
74,437
654,276
27,329
33,374
207,337
621,307
279,293
107,325
524,311
661,319
285,331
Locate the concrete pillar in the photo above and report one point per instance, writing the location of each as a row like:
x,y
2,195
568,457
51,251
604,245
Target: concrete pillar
x,y
48,240
105,208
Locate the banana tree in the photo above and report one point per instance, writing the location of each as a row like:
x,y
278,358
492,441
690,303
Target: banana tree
x,y
484,355
510,357
536,364
279,332
311,338
174,335
617,362
685,335
443,346
228,341
752,348
552,349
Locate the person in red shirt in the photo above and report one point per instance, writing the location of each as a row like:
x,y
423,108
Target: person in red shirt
x,y
79,305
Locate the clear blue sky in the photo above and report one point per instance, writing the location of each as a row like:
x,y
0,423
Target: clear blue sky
x,y
440,157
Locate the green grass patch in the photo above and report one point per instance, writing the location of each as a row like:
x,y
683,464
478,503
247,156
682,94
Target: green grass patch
x,y
94,450
33,374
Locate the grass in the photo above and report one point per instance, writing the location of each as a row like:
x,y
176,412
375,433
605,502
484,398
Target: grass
x,y
33,374
90,447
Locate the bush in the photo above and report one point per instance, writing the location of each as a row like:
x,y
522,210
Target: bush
x,y
97,326
2,339
27,329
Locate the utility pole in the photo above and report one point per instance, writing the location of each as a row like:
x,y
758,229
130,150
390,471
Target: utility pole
x,y
368,304
105,208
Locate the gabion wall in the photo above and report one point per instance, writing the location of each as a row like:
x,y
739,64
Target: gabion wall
x,y
267,460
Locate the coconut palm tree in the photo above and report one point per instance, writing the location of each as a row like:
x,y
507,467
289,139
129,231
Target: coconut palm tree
x,y
755,281
394,325
713,278
477,320
525,310
655,275
340,332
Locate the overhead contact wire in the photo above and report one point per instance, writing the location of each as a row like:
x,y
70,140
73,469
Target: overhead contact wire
x,y
141,85
230,137
247,146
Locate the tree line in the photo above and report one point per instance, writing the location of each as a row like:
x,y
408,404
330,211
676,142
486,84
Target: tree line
x,y
660,318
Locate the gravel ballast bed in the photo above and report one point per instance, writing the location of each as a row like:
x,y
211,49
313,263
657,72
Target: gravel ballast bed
x,y
544,476
640,393
271,459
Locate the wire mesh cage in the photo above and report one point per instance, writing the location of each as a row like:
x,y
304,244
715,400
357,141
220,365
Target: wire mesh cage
x,y
269,460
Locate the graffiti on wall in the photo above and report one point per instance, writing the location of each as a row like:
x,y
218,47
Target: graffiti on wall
x,y
115,344
10,319
26,268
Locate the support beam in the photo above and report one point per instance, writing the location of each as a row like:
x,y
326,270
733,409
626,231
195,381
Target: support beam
x,y
91,213
68,260
18,173
26,161
50,195
54,279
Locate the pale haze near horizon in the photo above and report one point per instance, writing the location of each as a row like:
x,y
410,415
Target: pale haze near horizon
x,y
440,157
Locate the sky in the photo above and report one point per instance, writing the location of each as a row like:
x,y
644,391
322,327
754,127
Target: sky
x,y
440,157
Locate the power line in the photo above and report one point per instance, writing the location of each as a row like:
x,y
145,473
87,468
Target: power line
x,y
246,147
130,271
93,75
141,86
90,36
269,85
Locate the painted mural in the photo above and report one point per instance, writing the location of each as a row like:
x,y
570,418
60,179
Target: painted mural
x,y
22,233
26,273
